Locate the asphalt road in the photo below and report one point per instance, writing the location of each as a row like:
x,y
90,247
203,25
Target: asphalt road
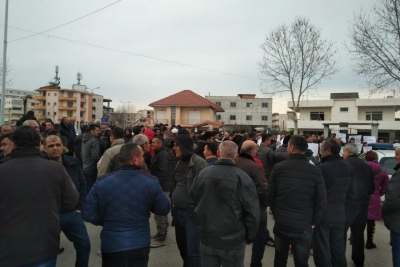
x,y
168,255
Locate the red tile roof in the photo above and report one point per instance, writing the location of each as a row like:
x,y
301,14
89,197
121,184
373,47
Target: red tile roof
x,y
186,98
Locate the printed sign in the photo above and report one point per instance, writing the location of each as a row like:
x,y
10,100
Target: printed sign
x,y
342,136
367,148
370,139
314,148
357,138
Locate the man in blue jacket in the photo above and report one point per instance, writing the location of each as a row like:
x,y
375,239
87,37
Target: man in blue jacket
x,y
121,202
71,221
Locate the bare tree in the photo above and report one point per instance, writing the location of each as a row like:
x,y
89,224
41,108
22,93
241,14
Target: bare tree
x,y
375,45
296,59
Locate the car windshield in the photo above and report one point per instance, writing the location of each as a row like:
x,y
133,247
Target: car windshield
x,y
388,163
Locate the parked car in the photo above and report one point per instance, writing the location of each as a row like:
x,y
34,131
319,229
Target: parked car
x,y
385,159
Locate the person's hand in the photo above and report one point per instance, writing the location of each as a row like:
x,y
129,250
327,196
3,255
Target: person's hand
x,y
78,211
312,226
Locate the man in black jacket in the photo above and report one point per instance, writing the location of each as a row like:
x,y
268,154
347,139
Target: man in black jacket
x,y
329,249
357,208
281,153
225,210
160,167
297,197
391,210
67,129
71,221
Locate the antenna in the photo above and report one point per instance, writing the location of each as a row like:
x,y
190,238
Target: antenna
x,y
56,80
79,77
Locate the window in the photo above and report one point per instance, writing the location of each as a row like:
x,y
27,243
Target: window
x,y
233,105
55,104
218,103
344,109
48,94
82,105
373,115
14,108
55,113
48,113
249,105
70,94
173,115
32,104
94,108
48,103
218,117
70,104
249,117
94,99
81,114
82,95
69,113
264,105
232,117
317,116
264,118
55,94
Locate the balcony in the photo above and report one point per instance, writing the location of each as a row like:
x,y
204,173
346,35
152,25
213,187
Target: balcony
x,y
83,100
40,117
40,98
72,118
62,107
83,109
39,107
65,98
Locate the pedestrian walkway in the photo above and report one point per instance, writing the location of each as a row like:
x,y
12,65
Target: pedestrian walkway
x,y
168,256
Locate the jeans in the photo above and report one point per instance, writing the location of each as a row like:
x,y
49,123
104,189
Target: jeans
x,y
162,222
395,243
130,258
328,246
211,257
74,228
185,231
301,245
47,263
258,248
356,220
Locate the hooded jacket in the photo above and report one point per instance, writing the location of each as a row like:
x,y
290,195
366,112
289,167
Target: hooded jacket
x,y
186,170
90,151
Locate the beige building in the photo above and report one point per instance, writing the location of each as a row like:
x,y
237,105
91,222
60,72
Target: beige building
x,y
188,110
80,105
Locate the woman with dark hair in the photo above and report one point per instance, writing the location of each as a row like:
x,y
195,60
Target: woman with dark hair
x,y
128,135
381,180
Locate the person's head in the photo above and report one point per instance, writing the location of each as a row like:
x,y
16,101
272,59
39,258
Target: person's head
x,y
286,139
371,156
381,140
137,130
297,145
142,141
116,133
210,150
250,148
84,128
6,144
352,140
183,146
116,124
66,121
329,147
227,150
252,135
53,147
94,129
49,125
350,149
157,143
365,143
32,123
266,139
132,154
208,137
397,155
25,137
5,128
128,132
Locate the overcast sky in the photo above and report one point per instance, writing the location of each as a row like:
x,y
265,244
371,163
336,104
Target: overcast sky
x,y
221,35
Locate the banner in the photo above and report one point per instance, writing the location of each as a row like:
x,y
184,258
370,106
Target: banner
x,y
342,136
314,148
369,139
357,138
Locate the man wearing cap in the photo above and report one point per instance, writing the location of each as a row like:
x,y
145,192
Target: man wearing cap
x,y
189,166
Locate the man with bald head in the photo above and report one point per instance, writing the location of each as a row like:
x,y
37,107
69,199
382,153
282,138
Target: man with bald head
x,y
220,205
246,162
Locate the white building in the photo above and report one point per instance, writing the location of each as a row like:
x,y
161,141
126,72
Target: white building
x,y
244,109
346,112
17,103
279,122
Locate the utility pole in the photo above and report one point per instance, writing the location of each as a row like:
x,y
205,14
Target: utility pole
x,y
3,84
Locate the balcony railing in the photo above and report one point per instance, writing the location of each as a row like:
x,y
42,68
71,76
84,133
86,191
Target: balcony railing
x,y
62,107
38,107
67,98
40,98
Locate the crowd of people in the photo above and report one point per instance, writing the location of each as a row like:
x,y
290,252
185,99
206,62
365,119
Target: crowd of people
x,y
217,186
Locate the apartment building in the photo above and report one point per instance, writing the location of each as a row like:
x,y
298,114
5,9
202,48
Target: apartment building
x,y
279,122
17,103
346,112
78,104
244,109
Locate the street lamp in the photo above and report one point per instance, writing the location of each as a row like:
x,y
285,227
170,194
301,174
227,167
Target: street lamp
x,y
125,112
92,89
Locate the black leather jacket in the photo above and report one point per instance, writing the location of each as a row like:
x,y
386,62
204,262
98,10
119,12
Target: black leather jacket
x,y
224,206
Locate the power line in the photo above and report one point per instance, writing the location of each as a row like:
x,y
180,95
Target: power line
x,y
66,22
135,54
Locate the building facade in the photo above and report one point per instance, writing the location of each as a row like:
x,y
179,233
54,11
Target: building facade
x,y
346,112
279,122
17,103
244,109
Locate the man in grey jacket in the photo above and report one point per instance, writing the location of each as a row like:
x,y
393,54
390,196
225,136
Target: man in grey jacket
x,y
91,154
391,210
